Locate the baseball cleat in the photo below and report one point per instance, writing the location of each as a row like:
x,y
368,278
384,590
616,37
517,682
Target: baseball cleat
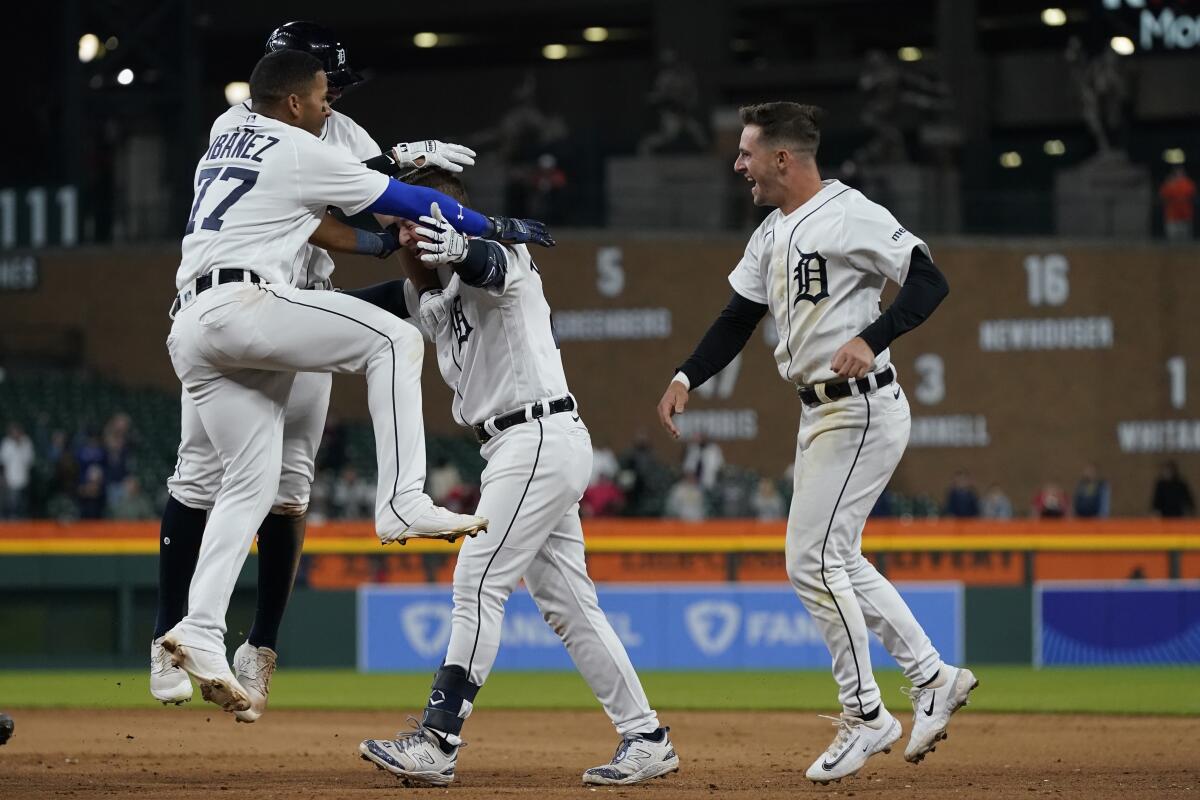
x,y
168,683
438,523
856,741
253,668
933,706
637,759
217,684
418,757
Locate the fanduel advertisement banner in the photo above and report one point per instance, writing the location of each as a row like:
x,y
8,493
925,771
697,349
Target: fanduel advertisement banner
x,y
1127,622
693,627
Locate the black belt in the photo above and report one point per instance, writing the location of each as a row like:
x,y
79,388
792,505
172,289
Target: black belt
x,y
205,282
535,411
836,390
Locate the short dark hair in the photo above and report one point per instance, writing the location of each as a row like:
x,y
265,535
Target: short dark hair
x,y
279,74
794,125
440,180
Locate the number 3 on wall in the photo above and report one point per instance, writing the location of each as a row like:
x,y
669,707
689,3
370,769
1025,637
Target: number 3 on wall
x,y
932,388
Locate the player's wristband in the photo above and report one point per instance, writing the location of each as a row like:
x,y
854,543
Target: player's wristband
x,y
380,245
682,378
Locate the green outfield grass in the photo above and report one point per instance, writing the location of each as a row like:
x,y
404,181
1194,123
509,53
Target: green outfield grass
x,y
1007,688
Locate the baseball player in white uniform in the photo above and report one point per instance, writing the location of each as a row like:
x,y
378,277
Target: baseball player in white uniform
x,y
242,330
498,353
818,264
196,480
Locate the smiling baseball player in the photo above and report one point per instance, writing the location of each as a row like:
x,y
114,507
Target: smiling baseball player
x,y
817,264
242,330
196,480
497,351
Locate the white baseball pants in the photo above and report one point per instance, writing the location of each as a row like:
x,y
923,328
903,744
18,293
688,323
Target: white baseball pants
x,y
846,452
236,349
536,473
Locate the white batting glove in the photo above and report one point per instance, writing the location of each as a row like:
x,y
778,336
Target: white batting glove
x,y
432,153
433,312
445,245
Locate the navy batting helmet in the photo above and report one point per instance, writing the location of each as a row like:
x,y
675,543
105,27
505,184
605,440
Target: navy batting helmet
x,y
320,42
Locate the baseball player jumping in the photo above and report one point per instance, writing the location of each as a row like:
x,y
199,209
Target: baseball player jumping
x,y
196,481
818,264
242,330
497,351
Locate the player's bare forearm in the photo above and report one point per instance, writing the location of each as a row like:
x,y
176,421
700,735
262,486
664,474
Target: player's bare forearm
x,y
674,401
338,237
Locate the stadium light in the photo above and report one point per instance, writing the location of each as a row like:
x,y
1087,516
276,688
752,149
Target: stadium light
x,y
112,43
910,54
237,92
1121,45
555,52
1174,155
89,47
1010,159
1054,147
125,77
1054,17
425,39
595,34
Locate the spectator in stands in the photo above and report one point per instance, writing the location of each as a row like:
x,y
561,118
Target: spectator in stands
x,y
639,466
604,464
352,497
89,453
548,185
704,459
444,479
885,506
1172,495
1178,195
685,501
1091,494
16,464
131,503
116,454
1050,502
602,498
961,498
767,502
91,494
996,504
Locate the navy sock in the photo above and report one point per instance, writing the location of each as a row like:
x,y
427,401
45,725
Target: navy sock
x,y
178,550
280,543
656,736
931,680
873,714
450,700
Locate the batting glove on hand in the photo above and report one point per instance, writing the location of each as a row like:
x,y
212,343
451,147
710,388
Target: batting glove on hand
x,y
432,153
519,231
445,245
433,312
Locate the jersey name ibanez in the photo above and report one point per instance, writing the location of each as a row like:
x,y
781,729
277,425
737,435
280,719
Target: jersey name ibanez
x,y
820,271
339,131
261,189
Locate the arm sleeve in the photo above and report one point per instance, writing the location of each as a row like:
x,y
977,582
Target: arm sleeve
x,y
485,266
724,340
389,296
924,288
411,202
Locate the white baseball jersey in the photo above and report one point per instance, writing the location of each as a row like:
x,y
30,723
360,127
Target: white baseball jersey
x,y
497,349
265,186
339,131
820,270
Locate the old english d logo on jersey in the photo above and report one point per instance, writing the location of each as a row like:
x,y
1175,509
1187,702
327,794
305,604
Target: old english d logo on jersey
x,y
812,280
462,328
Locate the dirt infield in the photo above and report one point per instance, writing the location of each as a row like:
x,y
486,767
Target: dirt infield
x,y
186,754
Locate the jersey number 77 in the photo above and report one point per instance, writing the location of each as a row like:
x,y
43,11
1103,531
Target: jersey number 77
x,y
207,177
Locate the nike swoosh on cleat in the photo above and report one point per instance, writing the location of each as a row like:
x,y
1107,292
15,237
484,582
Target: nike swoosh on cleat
x,y
828,765
929,711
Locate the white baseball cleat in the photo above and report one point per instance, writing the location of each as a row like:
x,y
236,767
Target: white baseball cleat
x,y
217,684
856,741
637,759
168,683
422,756
253,668
933,706
438,523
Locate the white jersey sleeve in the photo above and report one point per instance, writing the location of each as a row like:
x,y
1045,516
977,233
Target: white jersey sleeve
x,y
353,137
332,176
748,278
873,241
